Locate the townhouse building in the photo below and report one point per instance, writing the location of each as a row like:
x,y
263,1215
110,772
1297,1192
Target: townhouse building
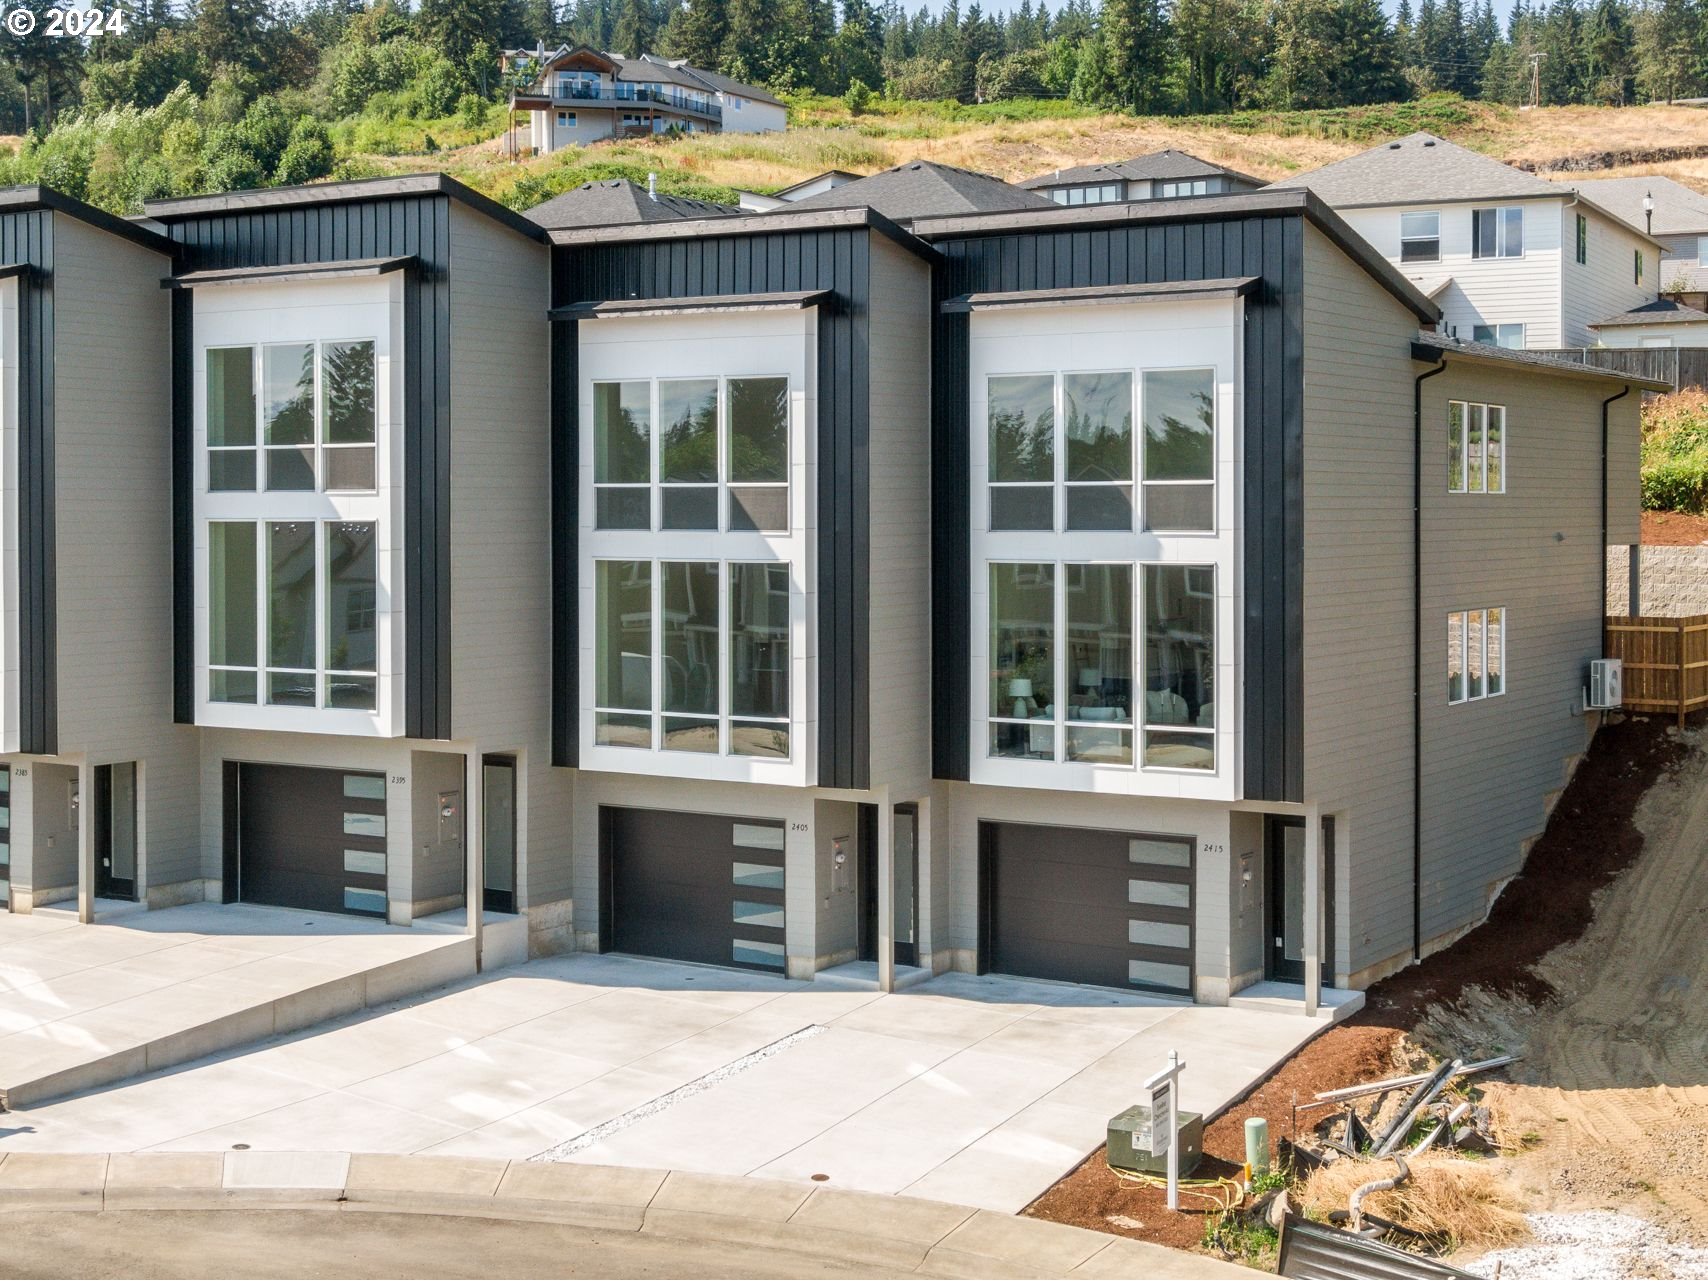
x,y
581,95
1173,703
1510,258
1156,175
925,576
358,594
99,784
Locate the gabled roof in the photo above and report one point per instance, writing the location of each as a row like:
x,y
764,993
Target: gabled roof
x,y
1153,165
1678,209
836,178
723,84
1420,169
401,186
923,188
617,201
1663,311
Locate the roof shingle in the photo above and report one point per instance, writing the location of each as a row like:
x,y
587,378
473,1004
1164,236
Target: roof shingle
x,y
1418,169
617,201
922,188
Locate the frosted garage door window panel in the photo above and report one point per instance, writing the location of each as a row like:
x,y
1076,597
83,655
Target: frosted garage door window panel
x,y
1159,893
757,876
755,837
1160,853
1159,974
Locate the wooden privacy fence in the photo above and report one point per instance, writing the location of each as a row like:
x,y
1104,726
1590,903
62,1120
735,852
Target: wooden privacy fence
x,y
1666,662
1680,366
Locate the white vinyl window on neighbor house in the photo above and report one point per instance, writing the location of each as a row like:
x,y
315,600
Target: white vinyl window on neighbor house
x,y
1497,233
1476,654
1503,335
1476,448
1420,237
1095,194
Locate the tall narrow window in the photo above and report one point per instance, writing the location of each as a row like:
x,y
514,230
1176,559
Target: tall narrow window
x,y
287,406
1022,425
1099,445
1023,660
1180,666
1637,268
758,415
688,452
623,654
622,455
1099,664
347,414
1179,408
352,618
1476,654
1582,240
759,659
232,613
689,652
291,660
231,418
1476,448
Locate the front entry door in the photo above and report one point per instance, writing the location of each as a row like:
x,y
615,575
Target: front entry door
x,y
905,921
1285,842
114,816
498,847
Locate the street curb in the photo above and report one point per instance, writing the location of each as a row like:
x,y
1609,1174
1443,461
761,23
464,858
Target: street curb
x,y
896,1234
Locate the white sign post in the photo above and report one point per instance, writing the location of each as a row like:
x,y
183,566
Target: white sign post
x,y
1165,1121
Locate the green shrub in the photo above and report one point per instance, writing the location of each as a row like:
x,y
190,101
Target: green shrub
x,y
1675,453
858,97
307,156
472,110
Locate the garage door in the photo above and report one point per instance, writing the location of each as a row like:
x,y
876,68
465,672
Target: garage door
x,y
311,838
693,887
1087,906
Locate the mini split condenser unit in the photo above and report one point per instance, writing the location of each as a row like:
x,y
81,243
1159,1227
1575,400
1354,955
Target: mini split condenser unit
x,y
1606,685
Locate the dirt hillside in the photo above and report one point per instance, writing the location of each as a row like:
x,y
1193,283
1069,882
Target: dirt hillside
x,y
1610,1104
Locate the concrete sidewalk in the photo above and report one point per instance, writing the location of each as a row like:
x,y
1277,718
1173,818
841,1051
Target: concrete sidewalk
x,y
837,1230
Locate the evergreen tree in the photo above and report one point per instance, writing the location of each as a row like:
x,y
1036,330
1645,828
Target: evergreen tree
x,y
635,29
1136,39
696,31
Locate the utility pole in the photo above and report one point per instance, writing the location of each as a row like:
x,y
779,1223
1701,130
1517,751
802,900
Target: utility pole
x,y
1536,79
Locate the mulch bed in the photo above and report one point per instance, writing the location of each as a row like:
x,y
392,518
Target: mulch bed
x,y
1674,529
1589,840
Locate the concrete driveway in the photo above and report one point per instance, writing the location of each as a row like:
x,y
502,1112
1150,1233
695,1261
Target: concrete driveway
x,y
980,1091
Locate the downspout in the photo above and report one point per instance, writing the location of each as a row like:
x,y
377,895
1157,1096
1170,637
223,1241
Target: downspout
x,y
1604,405
1417,658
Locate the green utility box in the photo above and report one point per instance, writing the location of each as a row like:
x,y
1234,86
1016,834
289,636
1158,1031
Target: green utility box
x,y
1131,1146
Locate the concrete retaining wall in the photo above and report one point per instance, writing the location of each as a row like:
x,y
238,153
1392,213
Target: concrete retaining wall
x,y
1674,581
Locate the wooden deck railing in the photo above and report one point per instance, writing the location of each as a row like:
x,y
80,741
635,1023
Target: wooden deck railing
x,y
1666,662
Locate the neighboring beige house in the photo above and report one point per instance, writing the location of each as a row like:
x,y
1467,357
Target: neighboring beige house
x,y
1510,258
1674,215
581,95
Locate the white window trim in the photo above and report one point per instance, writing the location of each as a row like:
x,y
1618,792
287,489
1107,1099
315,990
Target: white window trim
x,y
1500,213
1405,239
724,345
1467,410
1495,327
1173,335
1463,627
315,311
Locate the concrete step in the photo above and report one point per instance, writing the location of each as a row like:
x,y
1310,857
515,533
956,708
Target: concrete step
x,y
862,976
1289,998
503,935
83,1006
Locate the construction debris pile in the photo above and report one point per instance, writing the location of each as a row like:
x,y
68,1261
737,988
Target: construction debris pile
x,y
1433,1109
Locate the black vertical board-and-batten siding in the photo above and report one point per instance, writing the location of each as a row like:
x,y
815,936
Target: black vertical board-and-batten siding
x,y
26,237
838,260
1268,247
418,226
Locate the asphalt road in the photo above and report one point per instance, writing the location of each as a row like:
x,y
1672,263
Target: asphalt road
x,y
315,1243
